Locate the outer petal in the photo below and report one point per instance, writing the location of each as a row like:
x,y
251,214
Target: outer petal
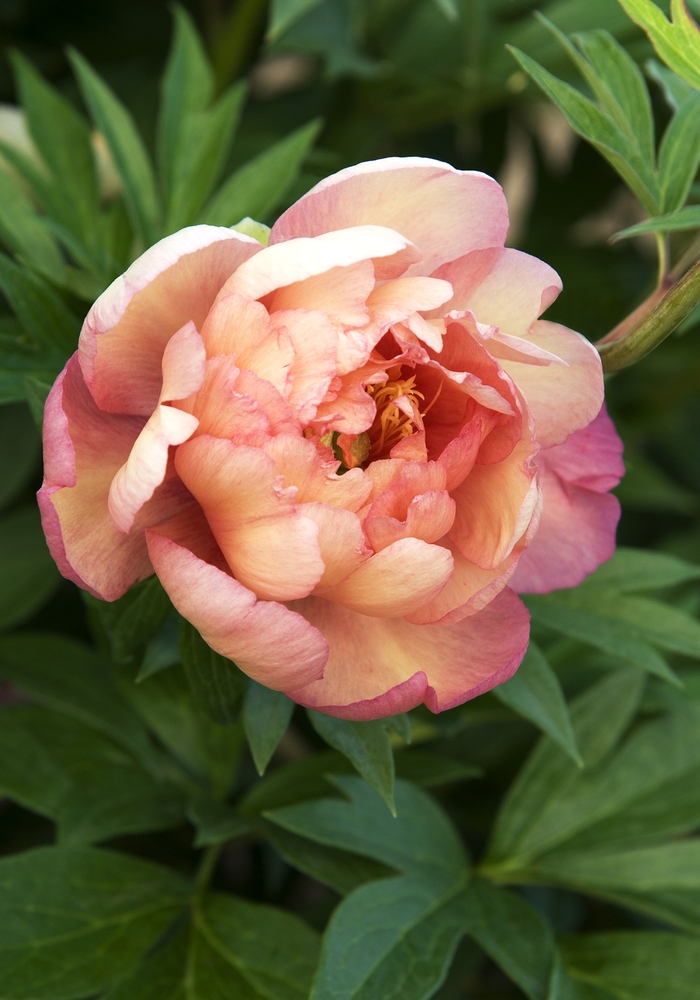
x,y
396,665
561,399
579,518
269,544
125,332
273,645
445,212
502,287
83,448
395,581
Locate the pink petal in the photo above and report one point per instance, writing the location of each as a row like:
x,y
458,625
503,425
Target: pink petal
x,y
495,504
269,544
445,212
295,261
222,411
184,361
125,332
429,516
268,642
561,399
502,287
341,293
395,581
398,300
83,448
378,666
315,345
579,518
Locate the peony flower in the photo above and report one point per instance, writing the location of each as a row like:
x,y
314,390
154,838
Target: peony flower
x,y
338,450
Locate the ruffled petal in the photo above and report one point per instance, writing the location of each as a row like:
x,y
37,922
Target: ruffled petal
x,y
83,448
271,547
341,541
562,399
502,287
125,332
395,581
270,643
397,665
314,342
429,516
445,212
299,463
579,517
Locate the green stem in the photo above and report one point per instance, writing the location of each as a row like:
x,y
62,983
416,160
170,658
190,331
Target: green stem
x,y
662,248
661,321
206,870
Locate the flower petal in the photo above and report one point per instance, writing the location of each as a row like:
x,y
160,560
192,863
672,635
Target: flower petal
x,y
270,643
445,212
300,465
269,544
83,448
397,665
579,518
429,516
341,541
395,581
561,399
502,287
125,332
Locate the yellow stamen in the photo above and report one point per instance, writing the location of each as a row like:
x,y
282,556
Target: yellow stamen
x,y
391,424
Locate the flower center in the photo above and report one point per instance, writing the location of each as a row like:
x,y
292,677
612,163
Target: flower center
x,y
397,411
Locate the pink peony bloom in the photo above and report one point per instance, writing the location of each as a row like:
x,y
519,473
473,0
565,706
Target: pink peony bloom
x,y
338,450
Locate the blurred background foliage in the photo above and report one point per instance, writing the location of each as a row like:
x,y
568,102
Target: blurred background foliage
x,y
335,82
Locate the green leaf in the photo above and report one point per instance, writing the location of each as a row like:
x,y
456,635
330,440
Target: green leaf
x,y
266,716
679,155
130,621
163,649
216,822
127,149
588,616
625,95
187,87
632,570
26,234
659,623
62,137
28,574
636,965
646,869
530,818
685,218
217,685
599,129
20,450
678,43
518,940
233,948
40,309
257,187
395,936
535,693
284,13
429,770
342,870
76,776
366,745
676,91
68,677
303,779
200,156
72,920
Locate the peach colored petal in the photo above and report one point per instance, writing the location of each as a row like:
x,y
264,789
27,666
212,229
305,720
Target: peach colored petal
x,y
298,461
144,470
273,645
398,665
314,342
429,516
561,399
395,581
221,410
125,332
83,449
242,328
468,590
398,484
183,364
495,504
340,540
445,212
269,544
341,293
579,518
297,260
400,300
502,287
